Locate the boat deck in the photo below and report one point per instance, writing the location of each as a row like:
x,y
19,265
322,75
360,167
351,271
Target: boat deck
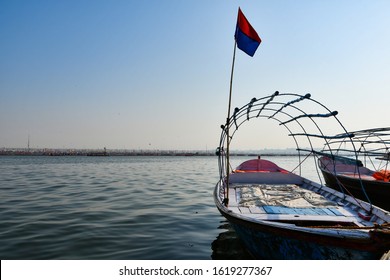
x,y
287,203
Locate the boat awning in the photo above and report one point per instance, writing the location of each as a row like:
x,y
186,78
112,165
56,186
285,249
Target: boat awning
x,y
342,159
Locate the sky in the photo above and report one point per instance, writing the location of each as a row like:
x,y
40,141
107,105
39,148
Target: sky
x,y
150,74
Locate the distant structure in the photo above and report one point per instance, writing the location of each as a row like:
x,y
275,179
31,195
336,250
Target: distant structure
x,y
134,152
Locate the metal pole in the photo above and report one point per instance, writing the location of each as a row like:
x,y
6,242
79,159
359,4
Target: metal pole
x,y
227,128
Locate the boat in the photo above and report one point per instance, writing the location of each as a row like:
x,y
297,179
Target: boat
x,y
280,213
364,174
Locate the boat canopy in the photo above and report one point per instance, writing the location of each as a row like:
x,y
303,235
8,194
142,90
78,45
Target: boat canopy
x,y
259,165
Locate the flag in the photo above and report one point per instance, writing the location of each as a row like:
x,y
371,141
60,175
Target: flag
x,y
246,36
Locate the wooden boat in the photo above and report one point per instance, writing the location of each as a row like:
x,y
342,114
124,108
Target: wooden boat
x,y
281,214
365,177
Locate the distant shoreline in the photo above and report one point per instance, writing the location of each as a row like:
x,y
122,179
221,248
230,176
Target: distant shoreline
x,y
103,153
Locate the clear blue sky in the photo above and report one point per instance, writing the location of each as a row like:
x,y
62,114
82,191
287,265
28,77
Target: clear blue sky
x,y
155,74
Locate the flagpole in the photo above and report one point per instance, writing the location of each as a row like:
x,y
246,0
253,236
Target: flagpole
x,y
248,40
227,128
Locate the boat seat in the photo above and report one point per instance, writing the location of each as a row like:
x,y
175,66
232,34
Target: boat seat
x,y
325,211
281,213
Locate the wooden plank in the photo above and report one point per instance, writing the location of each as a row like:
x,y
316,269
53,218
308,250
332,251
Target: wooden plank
x,y
329,211
257,210
244,210
284,217
335,211
305,211
320,211
269,209
344,212
232,197
234,209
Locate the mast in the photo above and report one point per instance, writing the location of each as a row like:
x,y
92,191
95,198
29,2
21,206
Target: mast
x,y
227,127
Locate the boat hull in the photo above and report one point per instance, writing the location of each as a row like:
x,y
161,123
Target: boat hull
x,y
275,240
264,242
269,244
377,191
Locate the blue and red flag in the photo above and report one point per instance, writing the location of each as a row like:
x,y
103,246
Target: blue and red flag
x,y
246,36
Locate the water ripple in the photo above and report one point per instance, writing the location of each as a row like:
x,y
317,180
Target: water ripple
x,y
108,208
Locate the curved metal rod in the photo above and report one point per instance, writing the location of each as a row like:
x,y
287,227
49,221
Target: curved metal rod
x,y
268,101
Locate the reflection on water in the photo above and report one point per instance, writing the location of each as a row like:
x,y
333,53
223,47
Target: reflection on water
x,y
227,246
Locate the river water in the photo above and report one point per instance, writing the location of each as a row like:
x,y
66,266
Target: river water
x,y
114,208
